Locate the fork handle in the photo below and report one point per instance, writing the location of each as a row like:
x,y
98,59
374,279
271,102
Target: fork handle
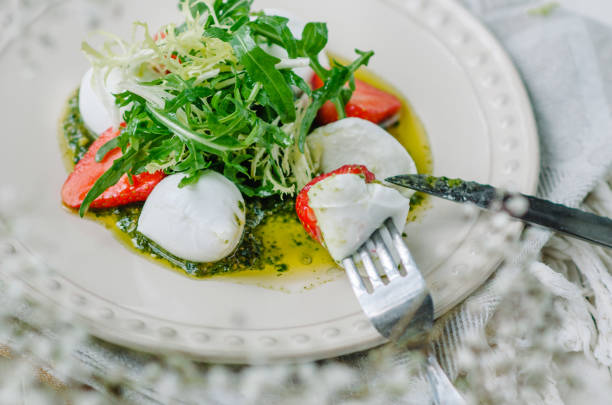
x,y
443,390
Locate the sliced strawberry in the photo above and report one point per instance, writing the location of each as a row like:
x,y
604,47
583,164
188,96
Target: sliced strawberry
x,y
367,102
302,207
88,171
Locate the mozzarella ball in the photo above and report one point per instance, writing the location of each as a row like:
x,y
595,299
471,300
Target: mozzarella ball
x,y
96,100
360,142
349,210
201,222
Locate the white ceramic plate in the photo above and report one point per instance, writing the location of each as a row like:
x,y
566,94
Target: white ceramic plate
x,y
461,84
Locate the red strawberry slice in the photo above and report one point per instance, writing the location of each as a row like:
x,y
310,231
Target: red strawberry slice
x,y
367,102
302,207
88,171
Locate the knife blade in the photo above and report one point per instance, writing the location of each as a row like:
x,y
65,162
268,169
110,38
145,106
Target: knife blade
x,y
530,209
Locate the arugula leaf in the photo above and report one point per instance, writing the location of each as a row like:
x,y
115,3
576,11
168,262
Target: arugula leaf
x,y
333,89
314,39
208,145
225,10
296,80
216,32
120,166
194,165
261,68
276,30
107,147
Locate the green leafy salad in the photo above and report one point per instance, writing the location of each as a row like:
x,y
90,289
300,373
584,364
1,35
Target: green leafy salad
x,y
208,94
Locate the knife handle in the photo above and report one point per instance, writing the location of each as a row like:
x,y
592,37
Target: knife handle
x,y
570,221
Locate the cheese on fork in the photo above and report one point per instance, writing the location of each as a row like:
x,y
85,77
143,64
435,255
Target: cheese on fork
x,y
349,210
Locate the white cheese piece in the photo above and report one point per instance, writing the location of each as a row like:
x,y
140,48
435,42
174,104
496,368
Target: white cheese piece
x,y
96,101
348,211
202,222
360,142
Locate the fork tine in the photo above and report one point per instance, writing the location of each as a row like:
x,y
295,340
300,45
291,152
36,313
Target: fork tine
x,y
371,248
386,259
370,267
354,277
385,235
402,249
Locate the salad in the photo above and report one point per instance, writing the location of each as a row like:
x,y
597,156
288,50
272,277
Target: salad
x,y
192,139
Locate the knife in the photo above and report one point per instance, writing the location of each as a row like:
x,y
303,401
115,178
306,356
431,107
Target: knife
x,y
533,210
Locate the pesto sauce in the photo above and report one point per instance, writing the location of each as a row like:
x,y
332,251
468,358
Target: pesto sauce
x,y
76,136
443,181
249,255
416,200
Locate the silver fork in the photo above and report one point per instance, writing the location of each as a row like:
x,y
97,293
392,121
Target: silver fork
x,y
395,298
